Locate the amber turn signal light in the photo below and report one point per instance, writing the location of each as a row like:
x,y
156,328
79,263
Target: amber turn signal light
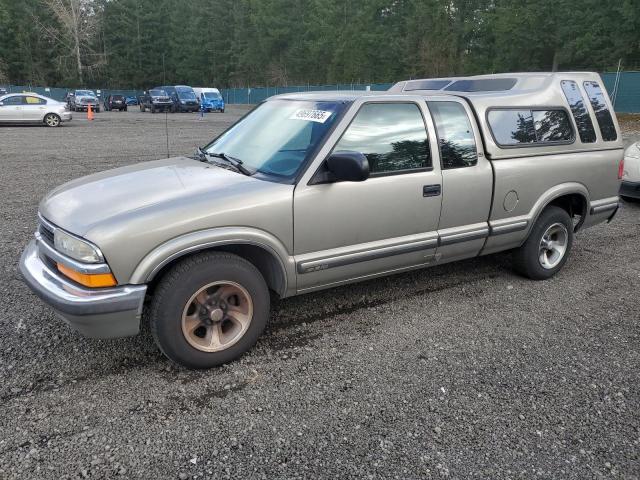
x,y
88,280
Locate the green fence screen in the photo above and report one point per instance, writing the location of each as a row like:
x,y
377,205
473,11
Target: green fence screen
x,y
626,97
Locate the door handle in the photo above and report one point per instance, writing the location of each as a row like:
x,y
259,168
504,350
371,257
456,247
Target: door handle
x,y
431,190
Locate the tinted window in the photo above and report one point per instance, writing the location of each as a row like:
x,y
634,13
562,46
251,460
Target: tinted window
x,y
579,111
12,101
483,85
426,85
515,127
455,135
391,135
603,115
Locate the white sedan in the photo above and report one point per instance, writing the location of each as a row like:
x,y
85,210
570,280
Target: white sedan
x,y
32,108
631,175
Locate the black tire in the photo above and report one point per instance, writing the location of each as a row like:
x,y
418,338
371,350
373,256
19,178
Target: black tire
x,y
142,108
527,259
125,109
153,109
175,290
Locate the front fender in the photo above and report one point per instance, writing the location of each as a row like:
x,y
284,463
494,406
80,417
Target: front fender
x,y
192,242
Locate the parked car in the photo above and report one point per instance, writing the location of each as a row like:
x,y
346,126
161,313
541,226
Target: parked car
x,y
183,97
132,100
155,100
314,190
115,102
32,108
3,91
631,172
80,100
210,99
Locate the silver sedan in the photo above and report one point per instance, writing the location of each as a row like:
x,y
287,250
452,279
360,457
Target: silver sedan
x,y
32,108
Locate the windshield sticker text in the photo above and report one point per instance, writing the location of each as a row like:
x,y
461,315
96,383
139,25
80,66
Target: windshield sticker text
x,y
319,116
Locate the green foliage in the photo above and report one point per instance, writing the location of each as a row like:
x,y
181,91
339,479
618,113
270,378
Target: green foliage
x,y
288,42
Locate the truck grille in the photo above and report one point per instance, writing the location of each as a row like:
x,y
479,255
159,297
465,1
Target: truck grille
x,y
46,233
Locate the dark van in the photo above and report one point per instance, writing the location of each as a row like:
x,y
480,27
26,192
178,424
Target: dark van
x,y
183,97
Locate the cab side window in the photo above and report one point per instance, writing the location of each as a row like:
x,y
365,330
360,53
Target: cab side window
x,y
455,136
392,136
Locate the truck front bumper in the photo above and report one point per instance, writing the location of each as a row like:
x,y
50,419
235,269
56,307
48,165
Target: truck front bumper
x,y
96,313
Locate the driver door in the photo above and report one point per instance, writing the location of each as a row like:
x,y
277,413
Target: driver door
x,y
11,109
348,231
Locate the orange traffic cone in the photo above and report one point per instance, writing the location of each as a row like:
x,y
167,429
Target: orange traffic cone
x,y
89,113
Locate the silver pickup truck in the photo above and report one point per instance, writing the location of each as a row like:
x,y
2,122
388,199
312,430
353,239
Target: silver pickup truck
x,y
314,190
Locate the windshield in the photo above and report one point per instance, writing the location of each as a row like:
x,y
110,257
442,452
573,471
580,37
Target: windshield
x,y
212,95
117,97
157,93
278,136
87,93
186,95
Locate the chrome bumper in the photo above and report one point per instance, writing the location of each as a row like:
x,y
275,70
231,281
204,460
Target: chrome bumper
x,y
97,313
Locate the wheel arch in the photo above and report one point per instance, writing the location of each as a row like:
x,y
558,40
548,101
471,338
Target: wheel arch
x,y
571,197
267,254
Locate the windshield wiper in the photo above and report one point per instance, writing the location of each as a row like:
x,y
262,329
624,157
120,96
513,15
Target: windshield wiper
x,y
235,162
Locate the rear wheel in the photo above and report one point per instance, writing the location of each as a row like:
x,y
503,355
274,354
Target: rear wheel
x,y
142,108
51,120
546,250
209,309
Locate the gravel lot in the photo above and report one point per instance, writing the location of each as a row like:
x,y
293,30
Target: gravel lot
x,y
463,370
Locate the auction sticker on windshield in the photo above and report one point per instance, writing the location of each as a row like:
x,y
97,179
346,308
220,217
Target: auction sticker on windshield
x,y
319,116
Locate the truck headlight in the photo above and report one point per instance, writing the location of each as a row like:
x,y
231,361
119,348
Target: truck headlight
x,y
75,248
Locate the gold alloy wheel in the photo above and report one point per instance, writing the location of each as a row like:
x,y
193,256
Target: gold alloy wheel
x,y
217,316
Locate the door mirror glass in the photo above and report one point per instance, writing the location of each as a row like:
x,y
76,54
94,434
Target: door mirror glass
x,y
347,166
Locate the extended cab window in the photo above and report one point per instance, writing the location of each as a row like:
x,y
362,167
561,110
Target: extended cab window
x,y
603,115
522,127
392,136
455,136
579,111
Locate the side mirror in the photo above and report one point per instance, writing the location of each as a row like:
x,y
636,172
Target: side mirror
x,y
345,166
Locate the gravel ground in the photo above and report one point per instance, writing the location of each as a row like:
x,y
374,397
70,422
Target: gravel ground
x,y
463,370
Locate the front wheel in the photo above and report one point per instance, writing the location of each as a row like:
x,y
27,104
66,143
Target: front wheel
x,y
209,309
547,249
51,120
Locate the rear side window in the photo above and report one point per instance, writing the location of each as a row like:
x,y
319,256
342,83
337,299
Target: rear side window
x,y
603,115
522,127
392,136
34,101
455,136
579,111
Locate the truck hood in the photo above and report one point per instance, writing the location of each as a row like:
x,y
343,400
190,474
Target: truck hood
x,y
131,192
